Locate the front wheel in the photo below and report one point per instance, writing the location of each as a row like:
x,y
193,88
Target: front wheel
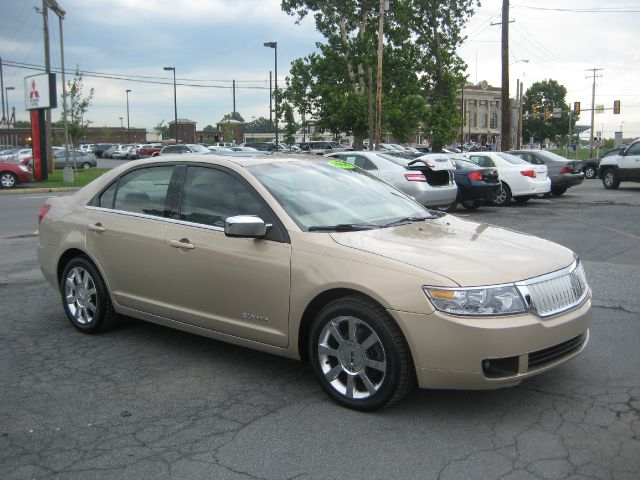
x,y
610,179
359,354
85,297
8,180
502,197
590,172
86,165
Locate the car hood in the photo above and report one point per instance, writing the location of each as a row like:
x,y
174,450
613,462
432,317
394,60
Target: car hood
x,y
468,253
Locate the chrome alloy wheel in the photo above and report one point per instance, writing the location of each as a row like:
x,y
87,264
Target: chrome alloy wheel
x,y
501,197
352,357
81,295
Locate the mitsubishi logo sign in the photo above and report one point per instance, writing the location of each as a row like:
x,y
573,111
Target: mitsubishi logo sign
x,y
40,91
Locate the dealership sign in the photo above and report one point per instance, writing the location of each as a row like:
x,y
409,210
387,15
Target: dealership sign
x,y
40,91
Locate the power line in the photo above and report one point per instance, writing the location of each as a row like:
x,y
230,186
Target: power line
x,y
580,10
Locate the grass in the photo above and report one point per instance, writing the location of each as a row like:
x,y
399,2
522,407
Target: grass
x,y
80,178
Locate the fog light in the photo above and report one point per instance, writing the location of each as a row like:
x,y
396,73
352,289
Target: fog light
x,y
486,364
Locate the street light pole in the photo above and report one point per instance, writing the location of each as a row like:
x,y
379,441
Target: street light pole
x,y
128,126
6,94
175,101
274,45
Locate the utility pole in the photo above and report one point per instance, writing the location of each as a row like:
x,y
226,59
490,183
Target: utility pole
x,y
505,139
593,107
47,67
379,76
2,92
519,128
371,134
234,97
270,105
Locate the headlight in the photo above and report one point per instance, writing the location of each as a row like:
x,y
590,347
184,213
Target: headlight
x,y
477,301
23,168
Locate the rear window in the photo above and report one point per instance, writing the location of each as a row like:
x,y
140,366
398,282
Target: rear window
x,y
512,159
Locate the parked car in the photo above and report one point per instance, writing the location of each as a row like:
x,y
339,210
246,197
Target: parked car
x,y
125,152
429,181
82,159
149,150
12,173
16,155
101,148
184,148
564,173
318,260
87,147
476,184
261,146
590,166
108,153
321,147
624,167
519,179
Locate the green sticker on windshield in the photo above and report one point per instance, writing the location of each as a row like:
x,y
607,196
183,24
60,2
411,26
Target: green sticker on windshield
x,y
339,164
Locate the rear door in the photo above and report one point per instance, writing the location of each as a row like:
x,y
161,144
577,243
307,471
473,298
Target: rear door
x,y
125,234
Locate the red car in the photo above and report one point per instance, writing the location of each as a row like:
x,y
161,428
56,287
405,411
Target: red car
x,y
13,173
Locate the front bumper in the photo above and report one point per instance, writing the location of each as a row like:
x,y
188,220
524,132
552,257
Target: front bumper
x,y
448,352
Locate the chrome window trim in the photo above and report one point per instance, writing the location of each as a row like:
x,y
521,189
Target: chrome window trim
x,y
154,217
522,287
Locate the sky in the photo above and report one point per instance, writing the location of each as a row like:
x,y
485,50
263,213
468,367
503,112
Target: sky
x,y
213,42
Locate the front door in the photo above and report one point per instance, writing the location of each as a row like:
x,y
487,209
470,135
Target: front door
x,y
237,286
630,163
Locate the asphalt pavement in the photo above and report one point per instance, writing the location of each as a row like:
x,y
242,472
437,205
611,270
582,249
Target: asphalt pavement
x,y
147,402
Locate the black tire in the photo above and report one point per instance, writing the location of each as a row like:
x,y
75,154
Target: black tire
x,y
590,172
86,165
522,199
503,197
85,297
8,180
557,191
610,179
471,204
359,321
447,208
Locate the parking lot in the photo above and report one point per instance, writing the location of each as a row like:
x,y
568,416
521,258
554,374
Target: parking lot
x,y
144,401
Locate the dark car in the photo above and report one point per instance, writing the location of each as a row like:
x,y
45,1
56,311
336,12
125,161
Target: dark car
x,y
564,173
261,146
475,184
590,166
321,147
100,148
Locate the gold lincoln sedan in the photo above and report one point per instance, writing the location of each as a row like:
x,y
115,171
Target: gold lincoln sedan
x,y
318,260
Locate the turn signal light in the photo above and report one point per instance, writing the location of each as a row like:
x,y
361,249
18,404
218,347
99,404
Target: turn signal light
x,y
477,176
415,177
43,211
528,173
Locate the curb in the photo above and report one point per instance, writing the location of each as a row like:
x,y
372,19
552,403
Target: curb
x,y
15,191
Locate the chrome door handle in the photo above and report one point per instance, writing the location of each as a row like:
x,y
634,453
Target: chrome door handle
x,y
96,228
183,243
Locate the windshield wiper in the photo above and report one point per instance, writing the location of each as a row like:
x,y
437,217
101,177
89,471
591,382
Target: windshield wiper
x,y
343,227
401,221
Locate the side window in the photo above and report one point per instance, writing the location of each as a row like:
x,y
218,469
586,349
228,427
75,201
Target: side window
x,y
210,196
364,163
532,159
634,149
482,160
106,198
144,191
348,158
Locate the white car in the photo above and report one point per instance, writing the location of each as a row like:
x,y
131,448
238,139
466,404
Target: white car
x,y
520,180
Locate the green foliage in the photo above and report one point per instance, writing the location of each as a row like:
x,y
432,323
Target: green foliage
x,y
259,125
421,69
290,126
209,128
227,132
162,130
546,95
233,116
22,124
78,105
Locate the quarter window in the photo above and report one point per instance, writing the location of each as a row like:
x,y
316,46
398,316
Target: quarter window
x,y
634,149
106,198
144,191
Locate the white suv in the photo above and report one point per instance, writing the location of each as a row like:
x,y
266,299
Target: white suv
x,y
624,167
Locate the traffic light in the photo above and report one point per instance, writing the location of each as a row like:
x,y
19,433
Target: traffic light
x,y
616,107
576,108
534,109
547,114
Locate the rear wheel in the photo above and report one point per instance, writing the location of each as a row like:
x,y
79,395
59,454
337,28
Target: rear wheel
x,y
610,179
359,354
447,208
86,165
8,180
85,297
502,197
590,172
559,190
522,199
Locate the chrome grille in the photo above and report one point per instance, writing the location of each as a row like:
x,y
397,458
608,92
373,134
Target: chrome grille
x,y
555,293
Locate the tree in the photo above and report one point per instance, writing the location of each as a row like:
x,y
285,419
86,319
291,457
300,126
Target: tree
x,y
259,125
233,116
161,130
290,126
227,132
78,105
209,128
22,124
546,96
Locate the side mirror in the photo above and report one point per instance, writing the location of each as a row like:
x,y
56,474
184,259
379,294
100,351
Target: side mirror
x,y
245,226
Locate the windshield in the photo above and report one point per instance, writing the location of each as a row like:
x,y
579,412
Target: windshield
x,y
318,193
512,159
199,148
551,156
